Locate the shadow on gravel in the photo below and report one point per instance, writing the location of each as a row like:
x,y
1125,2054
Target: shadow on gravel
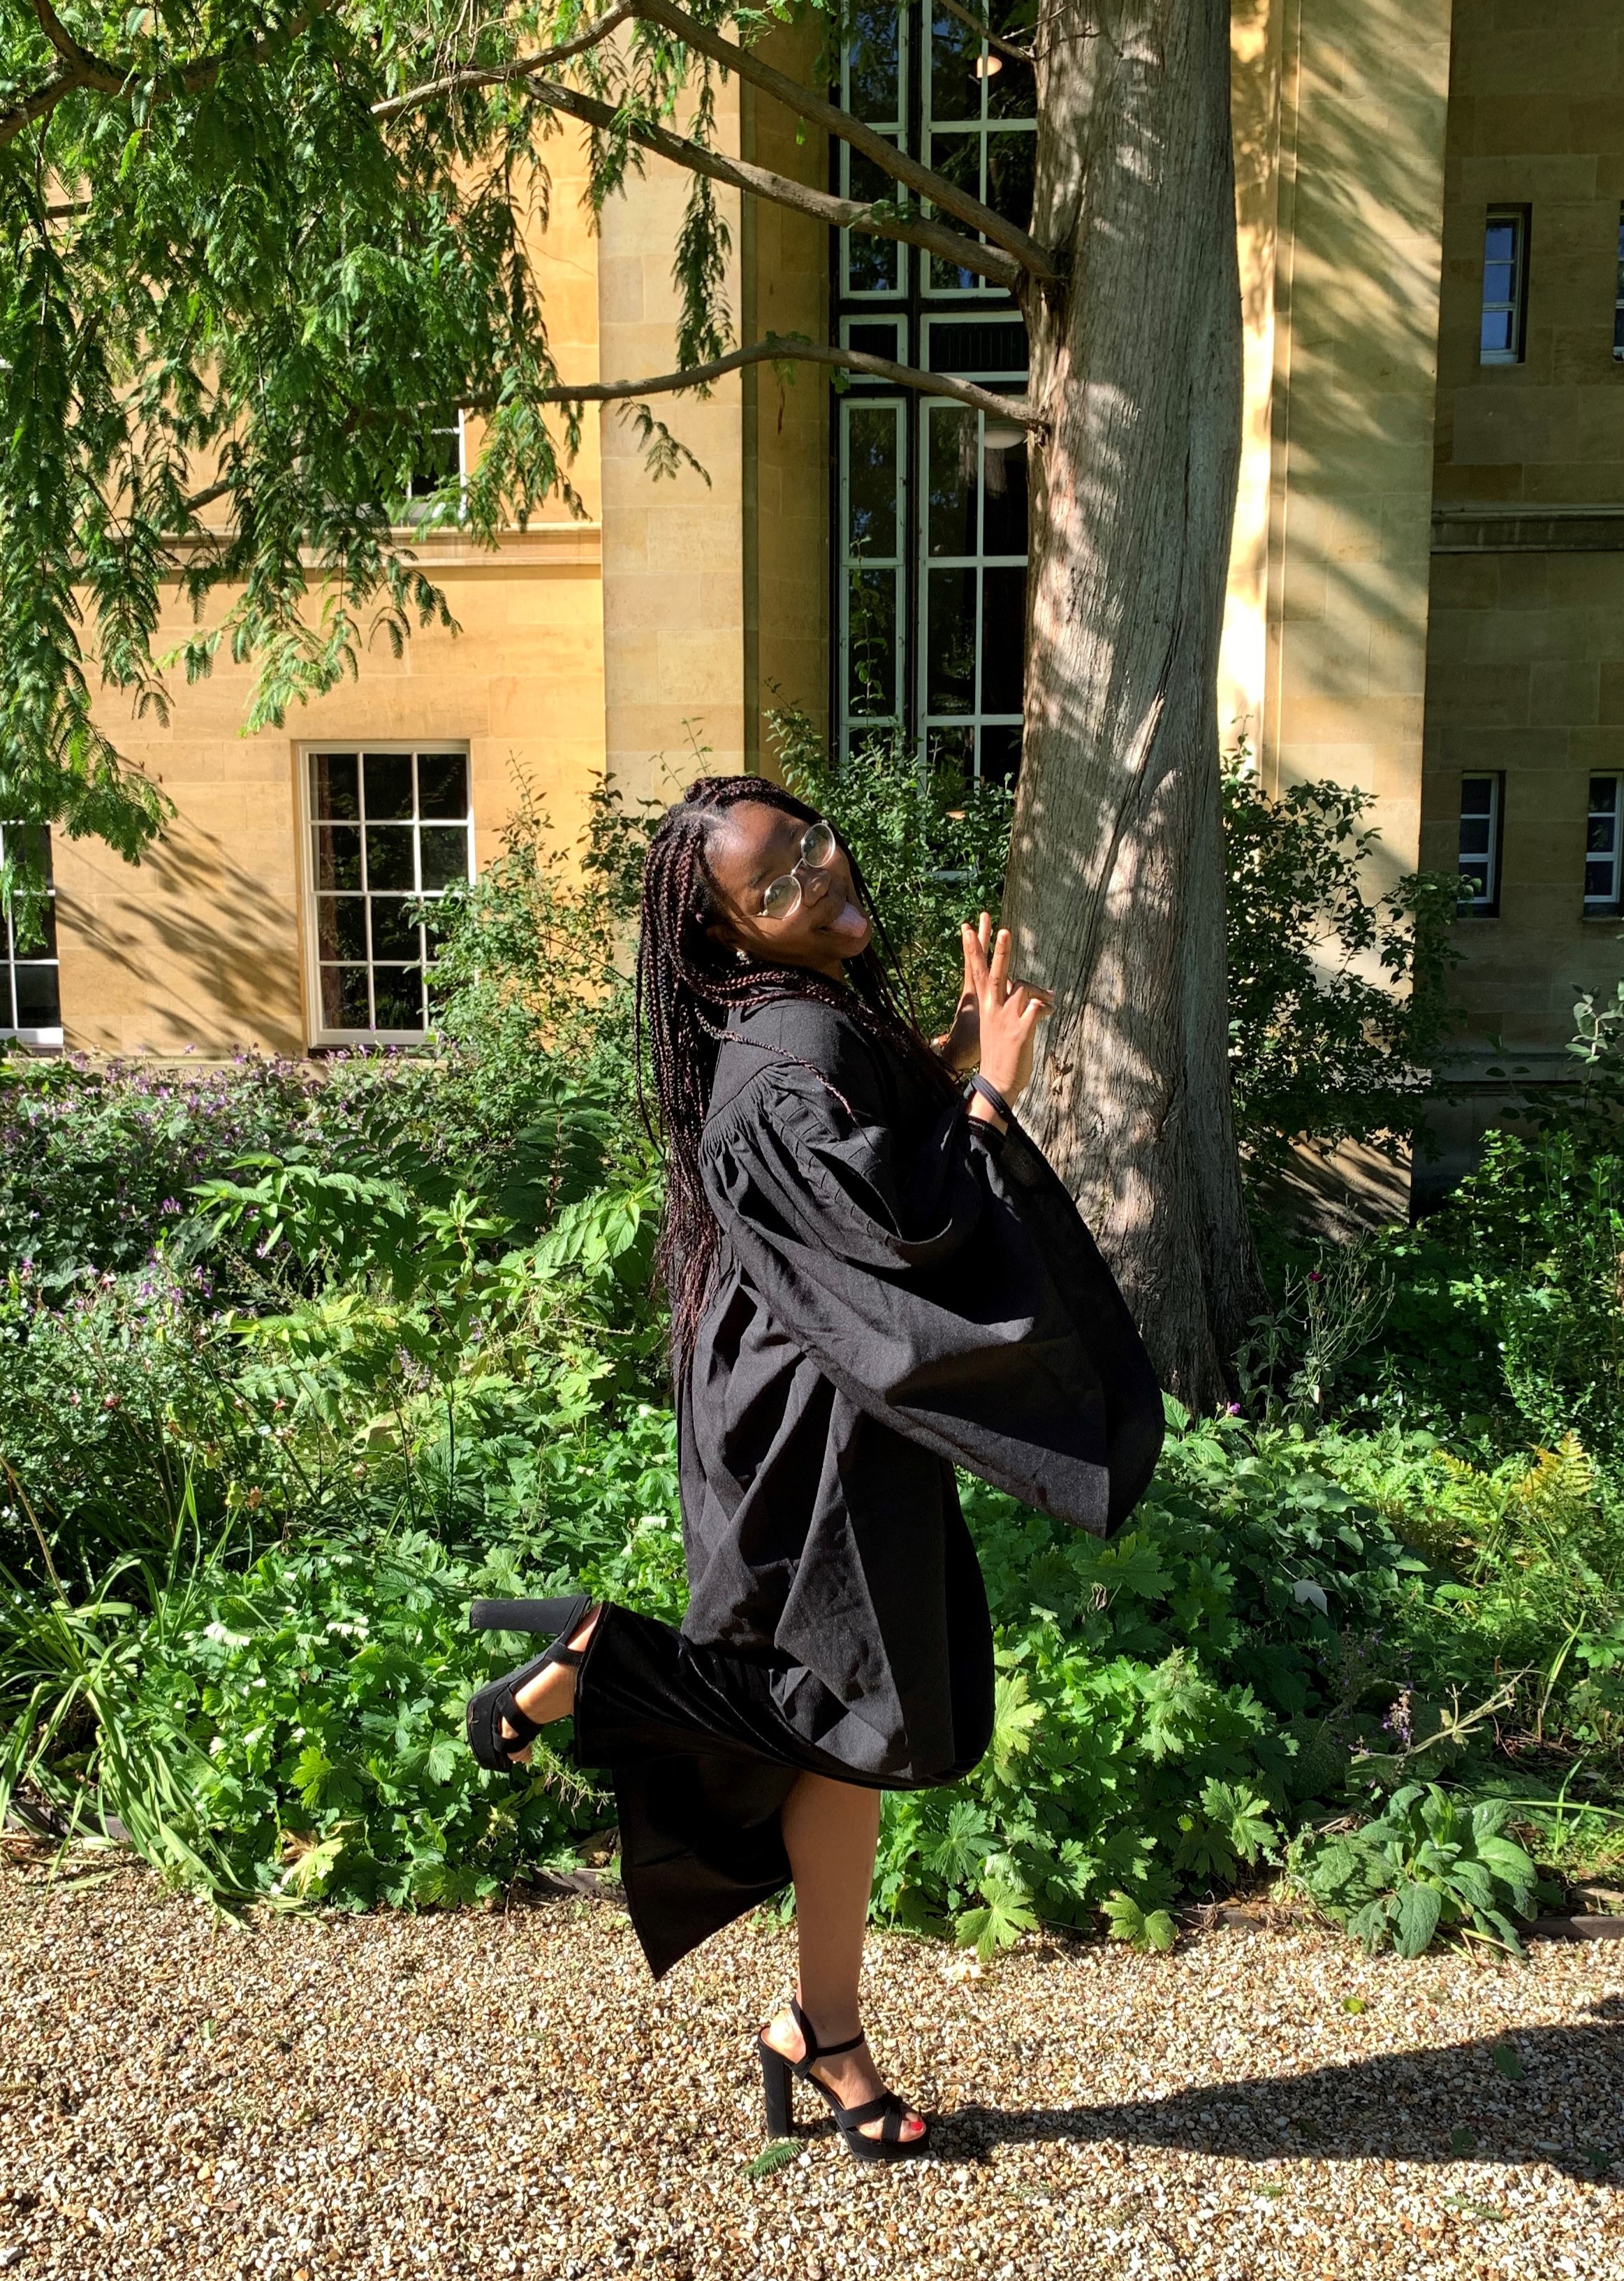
x,y
1552,2095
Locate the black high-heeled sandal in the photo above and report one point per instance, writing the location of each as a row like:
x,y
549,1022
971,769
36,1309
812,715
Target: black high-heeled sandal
x,y
890,2146
496,1703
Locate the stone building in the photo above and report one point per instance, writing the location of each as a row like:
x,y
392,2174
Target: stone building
x,y
1427,591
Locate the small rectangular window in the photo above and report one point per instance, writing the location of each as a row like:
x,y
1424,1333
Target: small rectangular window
x,y
1618,297
1505,286
1604,847
1480,844
30,983
389,829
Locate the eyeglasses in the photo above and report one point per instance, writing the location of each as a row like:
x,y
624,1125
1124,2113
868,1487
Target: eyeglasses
x,y
782,898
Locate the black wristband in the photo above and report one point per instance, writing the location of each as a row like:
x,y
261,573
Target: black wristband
x,y
990,1093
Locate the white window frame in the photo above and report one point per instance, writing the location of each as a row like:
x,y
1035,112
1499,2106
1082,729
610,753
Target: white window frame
x,y
44,1035
316,1030
1518,220
1486,905
1604,905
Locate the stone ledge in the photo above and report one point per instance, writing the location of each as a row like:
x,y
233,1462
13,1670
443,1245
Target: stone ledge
x,y
1523,529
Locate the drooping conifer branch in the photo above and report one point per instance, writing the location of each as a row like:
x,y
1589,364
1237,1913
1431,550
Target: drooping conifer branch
x,y
1035,259
781,189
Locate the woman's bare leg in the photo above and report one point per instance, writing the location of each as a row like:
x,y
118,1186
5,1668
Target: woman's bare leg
x,y
829,1832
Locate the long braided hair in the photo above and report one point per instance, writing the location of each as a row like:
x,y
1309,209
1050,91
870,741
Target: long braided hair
x,y
692,989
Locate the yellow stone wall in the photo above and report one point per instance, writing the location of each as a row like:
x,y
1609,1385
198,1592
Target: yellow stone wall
x,y
1340,116
1526,665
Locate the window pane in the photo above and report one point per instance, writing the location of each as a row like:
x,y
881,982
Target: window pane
x,y
393,935
871,496
39,1004
389,856
1498,278
958,157
1004,474
1000,752
33,929
1599,881
873,61
1496,335
334,793
397,996
443,850
1602,835
1477,795
1474,835
344,998
443,784
952,748
341,926
1010,163
337,856
1012,90
1500,242
873,265
952,479
387,785
1604,795
950,642
1003,632
872,641
956,84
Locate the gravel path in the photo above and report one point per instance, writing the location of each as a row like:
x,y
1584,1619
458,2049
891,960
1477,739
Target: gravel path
x,y
332,2100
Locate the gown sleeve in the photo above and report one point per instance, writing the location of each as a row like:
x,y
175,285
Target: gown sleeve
x,y
954,1295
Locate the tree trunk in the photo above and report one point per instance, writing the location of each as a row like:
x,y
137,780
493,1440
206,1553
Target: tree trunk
x,y
1115,880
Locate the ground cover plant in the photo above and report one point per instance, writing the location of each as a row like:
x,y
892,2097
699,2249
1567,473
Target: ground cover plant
x,y
393,1346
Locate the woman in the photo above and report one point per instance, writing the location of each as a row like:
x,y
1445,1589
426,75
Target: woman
x,y
874,1277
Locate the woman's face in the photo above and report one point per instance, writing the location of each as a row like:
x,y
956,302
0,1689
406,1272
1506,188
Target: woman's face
x,y
753,844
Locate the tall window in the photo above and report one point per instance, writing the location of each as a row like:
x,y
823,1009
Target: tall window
x,y
388,828
930,497
1618,297
1505,286
30,987
1604,847
1480,804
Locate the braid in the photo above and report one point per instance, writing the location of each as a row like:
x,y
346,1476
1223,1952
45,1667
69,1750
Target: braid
x,y
688,986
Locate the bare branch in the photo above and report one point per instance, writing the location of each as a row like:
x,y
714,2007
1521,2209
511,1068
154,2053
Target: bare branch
x,y
521,68
984,32
841,213
943,193
791,349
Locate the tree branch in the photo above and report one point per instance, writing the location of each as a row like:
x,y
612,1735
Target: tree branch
x,y
841,213
791,349
1033,257
80,68
984,32
505,74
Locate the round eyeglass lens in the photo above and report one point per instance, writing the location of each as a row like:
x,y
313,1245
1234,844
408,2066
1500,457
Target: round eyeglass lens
x,y
817,847
781,898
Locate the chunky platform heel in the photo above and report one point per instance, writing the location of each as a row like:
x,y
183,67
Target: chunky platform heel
x,y
495,1706
778,2099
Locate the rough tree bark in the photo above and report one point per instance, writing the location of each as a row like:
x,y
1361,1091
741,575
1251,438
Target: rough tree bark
x,y
1115,884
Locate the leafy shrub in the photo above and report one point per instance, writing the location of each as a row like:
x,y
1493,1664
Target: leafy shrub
x,y
1318,1045
1429,1863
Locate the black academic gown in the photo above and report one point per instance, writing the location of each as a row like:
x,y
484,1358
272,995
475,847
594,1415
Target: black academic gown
x,y
901,1290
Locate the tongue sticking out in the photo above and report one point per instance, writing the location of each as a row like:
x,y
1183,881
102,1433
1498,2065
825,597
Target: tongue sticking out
x,y
850,923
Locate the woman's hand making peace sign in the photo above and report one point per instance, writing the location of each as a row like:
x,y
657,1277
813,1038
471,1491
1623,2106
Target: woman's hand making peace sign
x,y
997,1019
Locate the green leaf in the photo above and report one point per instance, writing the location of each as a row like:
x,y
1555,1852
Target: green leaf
x,y
1416,1909
1507,2062
772,2158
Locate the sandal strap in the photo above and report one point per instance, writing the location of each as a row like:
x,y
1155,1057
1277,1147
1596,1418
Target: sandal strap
x,y
525,1727
887,2104
814,2049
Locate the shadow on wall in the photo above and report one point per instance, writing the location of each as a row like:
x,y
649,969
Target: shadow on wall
x,y
1538,2095
212,953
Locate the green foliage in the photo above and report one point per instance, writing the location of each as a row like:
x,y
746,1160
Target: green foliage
x,y
1318,1044
931,843
1429,1864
